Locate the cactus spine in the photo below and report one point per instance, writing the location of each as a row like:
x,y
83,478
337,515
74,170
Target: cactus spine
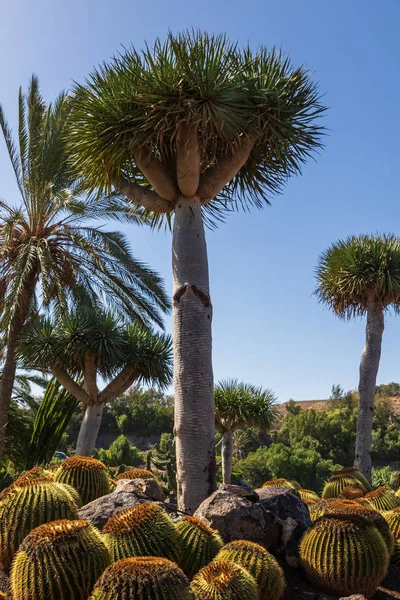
x,y
223,579
142,578
29,504
142,530
308,496
260,564
352,492
353,472
344,556
136,474
281,482
335,486
87,475
317,509
35,473
383,498
61,560
392,518
200,544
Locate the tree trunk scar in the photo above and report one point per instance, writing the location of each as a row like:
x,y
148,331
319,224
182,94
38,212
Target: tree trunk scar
x,y
204,298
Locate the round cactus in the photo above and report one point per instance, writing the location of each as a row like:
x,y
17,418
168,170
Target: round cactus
x,y
142,530
87,475
223,579
294,483
317,509
281,482
344,556
258,562
136,474
142,578
383,498
352,510
392,518
200,544
35,473
308,496
336,484
29,504
61,560
352,492
353,472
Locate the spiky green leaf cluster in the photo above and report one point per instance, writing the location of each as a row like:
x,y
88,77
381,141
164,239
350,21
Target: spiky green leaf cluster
x,y
61,560
353,272
223,579
344,556
200,544
143,530
142,578
28,504
87,475
260,564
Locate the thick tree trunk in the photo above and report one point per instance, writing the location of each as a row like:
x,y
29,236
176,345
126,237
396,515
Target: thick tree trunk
x,y
227,453
193,377
368,372
89,430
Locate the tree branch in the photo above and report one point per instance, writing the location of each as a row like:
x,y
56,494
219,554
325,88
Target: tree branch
x,y
142,196
216,178
156,174
188,160
89,377
119,384
69,384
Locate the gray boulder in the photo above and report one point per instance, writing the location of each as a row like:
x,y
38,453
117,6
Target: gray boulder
x,y
99,511
143,487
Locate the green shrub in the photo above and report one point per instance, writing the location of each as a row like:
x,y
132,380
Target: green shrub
x,y
119,453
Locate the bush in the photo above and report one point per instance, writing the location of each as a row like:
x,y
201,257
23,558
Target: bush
x,y
119,453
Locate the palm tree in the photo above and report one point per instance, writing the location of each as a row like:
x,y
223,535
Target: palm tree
x,y
239,405
97,343
356,277
47,251
194,128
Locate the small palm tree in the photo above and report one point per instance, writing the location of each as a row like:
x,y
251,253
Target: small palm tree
x,y
356,277
48,252
97,343
194,128
239,405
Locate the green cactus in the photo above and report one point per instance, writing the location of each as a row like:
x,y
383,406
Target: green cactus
x,y
142,530
353,472
163,458
281,482
260,564
308,496
142,578
352,492
223,579
61,560
200,544
336,484
317,509
294,483
29,504
344,556
87,475
35,473
392,518
136,474
383,498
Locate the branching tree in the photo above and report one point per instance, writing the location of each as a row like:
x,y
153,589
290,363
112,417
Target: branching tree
x,y
193,128
96,343
356,277
239,405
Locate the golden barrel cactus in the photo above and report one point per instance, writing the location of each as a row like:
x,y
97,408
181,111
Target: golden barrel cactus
x,y
87,475
352,492
61,560
136,474
260,564
281,482
336,484
200,544
383,498
308,496
392,518
223,579
353,472
142,578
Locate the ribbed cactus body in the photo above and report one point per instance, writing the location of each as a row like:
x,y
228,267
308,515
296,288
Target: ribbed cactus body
x,y
294,483
392,518
87,475
281,482
35,473
142,578
352,492
353,472
28,505
61,560
142,530
200,544
344,557
136,474
317,509
383,498
308,496
335,486
260,564
223,579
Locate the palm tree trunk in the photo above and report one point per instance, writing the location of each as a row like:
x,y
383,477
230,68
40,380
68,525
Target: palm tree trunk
x,y
227,453
193,376
89,429
368,373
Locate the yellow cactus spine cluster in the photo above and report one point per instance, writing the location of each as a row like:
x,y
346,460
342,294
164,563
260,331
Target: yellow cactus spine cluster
x,y
136,474
87,475
223,579
200,544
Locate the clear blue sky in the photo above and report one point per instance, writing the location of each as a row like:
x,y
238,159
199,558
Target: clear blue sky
x,y
268,328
